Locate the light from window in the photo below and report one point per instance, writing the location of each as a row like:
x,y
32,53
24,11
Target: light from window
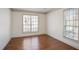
x,y
71,23
30,23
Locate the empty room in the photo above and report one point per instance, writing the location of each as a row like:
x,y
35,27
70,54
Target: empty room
x,y
39,28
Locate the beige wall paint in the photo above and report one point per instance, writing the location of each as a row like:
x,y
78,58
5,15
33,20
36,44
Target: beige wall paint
x,y
5,17
16,27
55,27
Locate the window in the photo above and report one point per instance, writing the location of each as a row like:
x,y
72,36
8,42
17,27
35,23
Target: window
x,y
30,23
71,23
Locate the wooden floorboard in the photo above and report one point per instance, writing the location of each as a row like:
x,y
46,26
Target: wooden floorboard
x,y
38,42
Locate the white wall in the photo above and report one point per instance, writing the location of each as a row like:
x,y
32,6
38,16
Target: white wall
x,y
4,27
16,22
55,27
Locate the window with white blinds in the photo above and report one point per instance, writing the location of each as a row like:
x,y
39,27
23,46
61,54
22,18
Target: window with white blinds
x,y
30,23
71,23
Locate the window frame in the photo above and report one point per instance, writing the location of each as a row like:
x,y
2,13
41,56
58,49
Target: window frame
x,y
30,24
64,23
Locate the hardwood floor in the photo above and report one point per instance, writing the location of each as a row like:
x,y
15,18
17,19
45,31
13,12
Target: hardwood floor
x,y
40,42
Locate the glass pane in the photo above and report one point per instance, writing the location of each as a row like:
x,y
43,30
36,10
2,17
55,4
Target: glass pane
x,y
30,23
66,15
76,29
71,23
34,26
33,19
67,23
71,28
26,23
67,18
67,28
27,19
76,17
72,10
69,35
76,23
26,29
71,14
34,22
71,17
25,26
76,14
34,30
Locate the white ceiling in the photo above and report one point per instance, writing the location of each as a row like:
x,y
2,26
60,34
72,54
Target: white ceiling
x,y
41,10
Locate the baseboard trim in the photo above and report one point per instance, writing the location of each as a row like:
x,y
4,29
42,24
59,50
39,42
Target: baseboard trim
x,y
27,36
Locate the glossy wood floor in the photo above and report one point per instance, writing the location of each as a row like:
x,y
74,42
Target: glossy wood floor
x,y
40,42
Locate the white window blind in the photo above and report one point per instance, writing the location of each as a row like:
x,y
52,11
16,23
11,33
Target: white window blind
x,y
30,23
71,23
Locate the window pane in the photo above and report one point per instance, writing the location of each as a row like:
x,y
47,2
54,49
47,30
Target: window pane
x,y
72,14
26,23
76,29
67,23
34,26
69,35
26,29
71,24
34,22
66,15
76,14
30,23
34,19
67,28
67,18
76,23
34,30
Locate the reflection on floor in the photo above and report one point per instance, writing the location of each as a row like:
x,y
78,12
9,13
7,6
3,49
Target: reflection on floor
x,y
40,42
